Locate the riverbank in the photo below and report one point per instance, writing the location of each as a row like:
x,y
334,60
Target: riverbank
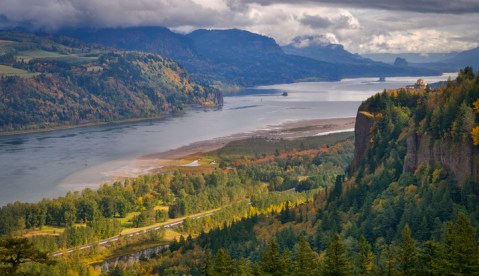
x,y
103,123
185,155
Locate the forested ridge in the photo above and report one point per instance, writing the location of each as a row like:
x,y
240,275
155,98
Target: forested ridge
x,y
52,81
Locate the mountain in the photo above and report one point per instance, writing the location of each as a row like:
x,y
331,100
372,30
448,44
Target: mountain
x,y
353,65
465,58
51,81
334,53
236,56
444,62
411,57
226,56
158,40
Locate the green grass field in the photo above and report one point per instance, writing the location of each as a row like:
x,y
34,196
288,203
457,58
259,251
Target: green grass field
x,y
11,71
26,56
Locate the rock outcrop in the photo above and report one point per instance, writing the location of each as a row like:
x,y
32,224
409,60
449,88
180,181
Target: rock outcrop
x,y
459,158
362,137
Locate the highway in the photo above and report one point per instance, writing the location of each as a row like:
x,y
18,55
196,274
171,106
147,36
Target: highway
x,y
117,237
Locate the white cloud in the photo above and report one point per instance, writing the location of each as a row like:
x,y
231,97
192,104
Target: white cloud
x,y
382,26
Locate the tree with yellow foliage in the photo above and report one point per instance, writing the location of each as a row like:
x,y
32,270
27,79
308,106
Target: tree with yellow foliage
x,y
475,130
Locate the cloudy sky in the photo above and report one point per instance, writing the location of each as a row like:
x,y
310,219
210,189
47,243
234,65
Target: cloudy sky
x,y
362,26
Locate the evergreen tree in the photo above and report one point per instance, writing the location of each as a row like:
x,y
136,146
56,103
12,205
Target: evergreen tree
x,y
244,268
286,263
206,268
364,258
223,264
337,261
408,254
306,262
271,259
461,249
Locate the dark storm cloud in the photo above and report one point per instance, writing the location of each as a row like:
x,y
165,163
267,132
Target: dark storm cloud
x,y
316,22
424,6
319,22
54,14
360,25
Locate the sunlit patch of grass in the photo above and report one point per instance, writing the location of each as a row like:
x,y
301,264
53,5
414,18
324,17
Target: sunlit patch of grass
x,y
46,230
126,221
11,71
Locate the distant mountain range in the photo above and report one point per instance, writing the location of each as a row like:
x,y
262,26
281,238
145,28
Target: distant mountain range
x,y
243,58
333,53
450,62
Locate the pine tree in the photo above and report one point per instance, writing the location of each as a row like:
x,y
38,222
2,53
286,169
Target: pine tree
x,y
206,268
306,259
223,264
286,263
244,267
461,249
271,259
408,254
337,261
364,258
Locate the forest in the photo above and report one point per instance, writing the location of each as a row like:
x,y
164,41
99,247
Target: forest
x,y
379,214
49,82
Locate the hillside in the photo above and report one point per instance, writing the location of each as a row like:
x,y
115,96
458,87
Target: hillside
x,y
466,58
55,81
236,56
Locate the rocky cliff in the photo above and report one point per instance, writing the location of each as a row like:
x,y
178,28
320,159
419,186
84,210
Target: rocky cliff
x,y
408,129
459,158
362,137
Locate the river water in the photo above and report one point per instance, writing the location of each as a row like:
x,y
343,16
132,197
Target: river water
x,y
38,165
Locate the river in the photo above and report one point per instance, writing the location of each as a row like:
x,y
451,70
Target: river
x,y
49,164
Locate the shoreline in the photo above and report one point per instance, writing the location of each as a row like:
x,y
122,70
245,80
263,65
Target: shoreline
x,y
150,163
119,170
158,117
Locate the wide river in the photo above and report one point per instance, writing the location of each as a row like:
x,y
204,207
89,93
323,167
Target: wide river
x,y
48,164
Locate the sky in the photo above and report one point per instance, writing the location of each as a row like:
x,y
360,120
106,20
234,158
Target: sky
x,y
362,26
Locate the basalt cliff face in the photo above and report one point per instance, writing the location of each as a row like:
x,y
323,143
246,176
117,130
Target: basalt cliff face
x,y
457,157
460,158
362,138
408,130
